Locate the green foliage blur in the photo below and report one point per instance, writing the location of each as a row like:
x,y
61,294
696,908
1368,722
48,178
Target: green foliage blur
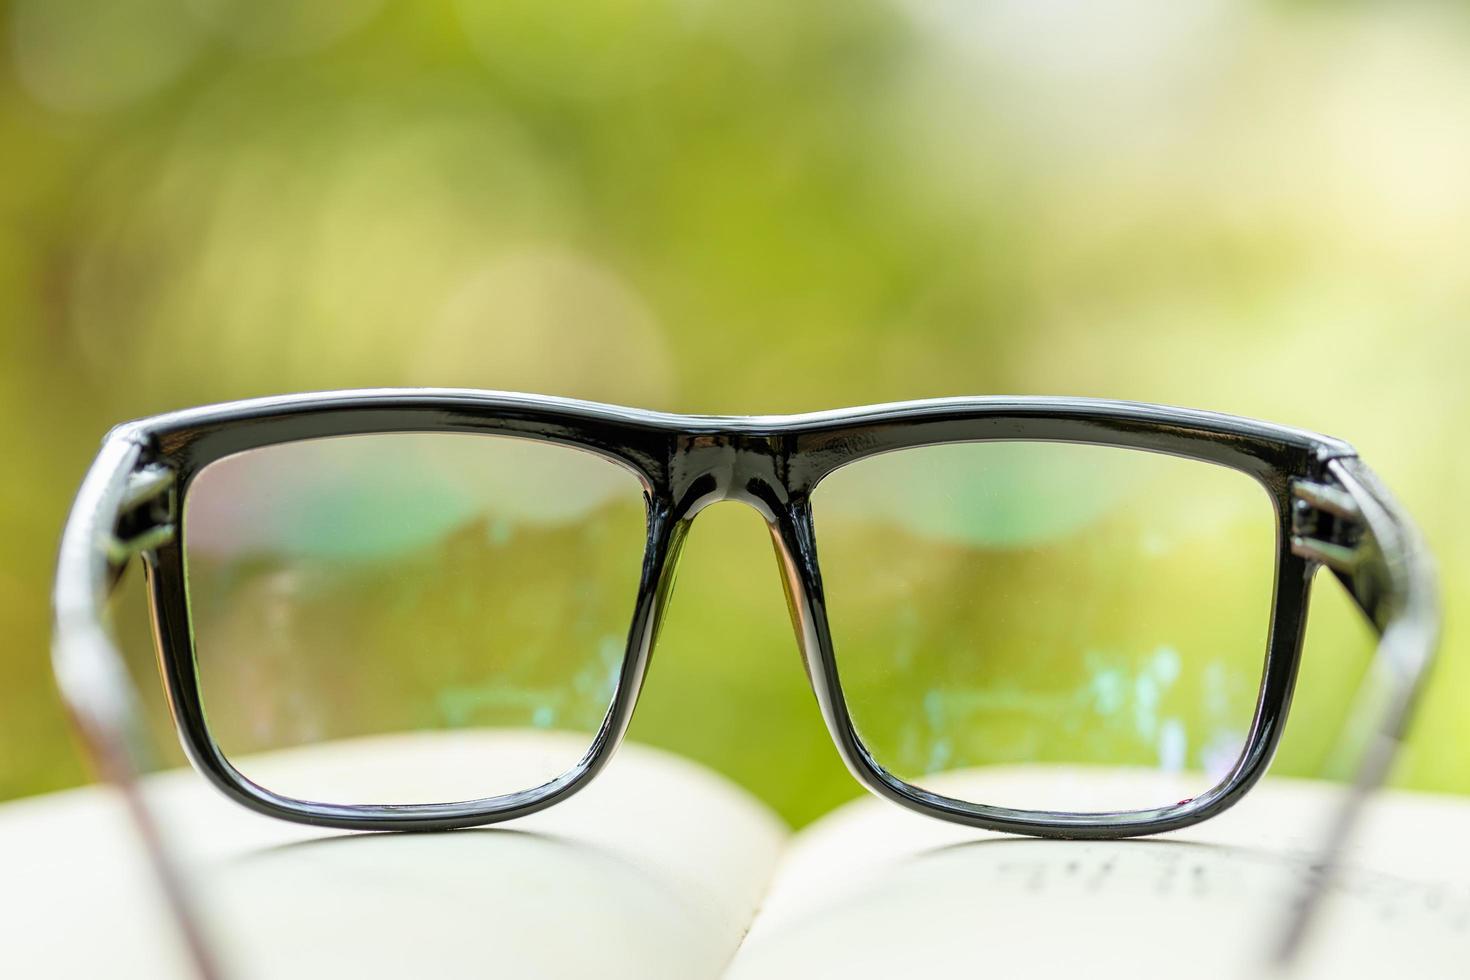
x,y
749,207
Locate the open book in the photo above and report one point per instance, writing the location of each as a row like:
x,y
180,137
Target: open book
x,y
664,869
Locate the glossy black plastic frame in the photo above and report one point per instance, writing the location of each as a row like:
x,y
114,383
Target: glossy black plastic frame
x,y
772,464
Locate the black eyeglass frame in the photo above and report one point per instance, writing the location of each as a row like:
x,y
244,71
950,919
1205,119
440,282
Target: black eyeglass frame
x,y
1329,511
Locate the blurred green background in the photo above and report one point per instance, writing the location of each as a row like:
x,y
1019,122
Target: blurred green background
x,y
1260,208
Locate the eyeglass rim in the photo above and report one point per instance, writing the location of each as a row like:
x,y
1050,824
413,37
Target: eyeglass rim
x,y
773,463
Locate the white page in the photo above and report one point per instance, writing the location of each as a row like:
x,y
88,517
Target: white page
x,y
875,891
653,871
656,870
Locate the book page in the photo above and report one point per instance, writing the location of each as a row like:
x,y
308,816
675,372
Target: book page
x,y
653,871
873,890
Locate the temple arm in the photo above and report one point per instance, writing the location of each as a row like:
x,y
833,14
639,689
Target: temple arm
x,y
1353,526
122,510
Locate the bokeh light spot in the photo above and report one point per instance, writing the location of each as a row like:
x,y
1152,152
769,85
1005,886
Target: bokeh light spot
x,y
73,55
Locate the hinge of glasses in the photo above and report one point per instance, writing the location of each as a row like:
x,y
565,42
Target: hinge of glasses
x,y
146,517
1326,526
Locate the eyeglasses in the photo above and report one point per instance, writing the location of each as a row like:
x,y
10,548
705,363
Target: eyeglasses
x,y
989,594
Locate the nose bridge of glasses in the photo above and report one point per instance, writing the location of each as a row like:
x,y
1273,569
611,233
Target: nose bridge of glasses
x,y
748,467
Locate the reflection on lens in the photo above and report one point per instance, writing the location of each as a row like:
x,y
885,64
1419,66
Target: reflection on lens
x,y
1007,617
469,595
